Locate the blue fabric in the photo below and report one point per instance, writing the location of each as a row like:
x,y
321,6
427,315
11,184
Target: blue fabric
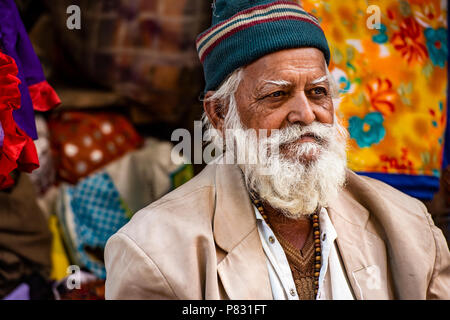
x,y
98,214
421,187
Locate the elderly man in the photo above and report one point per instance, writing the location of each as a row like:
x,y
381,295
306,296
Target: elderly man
x,y
295,224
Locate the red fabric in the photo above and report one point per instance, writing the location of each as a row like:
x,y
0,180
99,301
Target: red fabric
x,y
18,150
43,96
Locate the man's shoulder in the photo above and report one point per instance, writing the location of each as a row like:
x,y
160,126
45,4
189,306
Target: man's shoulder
x,y
410,235
401,216
390,194
198,188
193,200
174,231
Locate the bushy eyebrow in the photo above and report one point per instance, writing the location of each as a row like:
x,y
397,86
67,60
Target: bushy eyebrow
x,y
267,84
280,83
319,80
287,84
284,83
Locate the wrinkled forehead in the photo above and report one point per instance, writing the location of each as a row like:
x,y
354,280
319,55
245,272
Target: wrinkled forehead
x,y
292,65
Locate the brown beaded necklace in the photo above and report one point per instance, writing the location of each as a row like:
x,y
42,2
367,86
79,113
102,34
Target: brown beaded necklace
x,y
316,235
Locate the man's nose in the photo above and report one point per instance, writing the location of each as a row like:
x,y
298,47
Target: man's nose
x,y
300,110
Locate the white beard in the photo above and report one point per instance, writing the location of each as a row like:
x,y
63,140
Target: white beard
x,y
297,182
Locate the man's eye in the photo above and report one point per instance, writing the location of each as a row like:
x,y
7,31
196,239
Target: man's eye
x,y
276,94
319,91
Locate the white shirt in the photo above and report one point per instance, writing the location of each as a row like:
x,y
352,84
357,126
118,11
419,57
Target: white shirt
x,y
280,276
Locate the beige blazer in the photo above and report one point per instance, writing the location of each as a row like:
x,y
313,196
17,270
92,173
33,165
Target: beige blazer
x,y
201,242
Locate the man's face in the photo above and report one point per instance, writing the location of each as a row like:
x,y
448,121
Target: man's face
x,y
288,95
286,88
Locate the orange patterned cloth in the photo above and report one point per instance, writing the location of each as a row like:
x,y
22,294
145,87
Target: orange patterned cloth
x,y
392,75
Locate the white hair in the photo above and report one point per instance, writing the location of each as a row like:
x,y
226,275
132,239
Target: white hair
x,y
226,95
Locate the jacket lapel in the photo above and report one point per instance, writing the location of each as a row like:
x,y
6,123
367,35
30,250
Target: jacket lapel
x,y
243,271
363,252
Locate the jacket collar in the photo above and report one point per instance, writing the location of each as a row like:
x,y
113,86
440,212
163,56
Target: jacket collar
x,y
384,239
363,251
234,218
243,271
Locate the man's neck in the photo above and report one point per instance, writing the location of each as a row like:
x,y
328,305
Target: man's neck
x,y
295,231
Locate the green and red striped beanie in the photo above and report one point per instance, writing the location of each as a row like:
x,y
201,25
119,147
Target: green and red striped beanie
x,y
243,31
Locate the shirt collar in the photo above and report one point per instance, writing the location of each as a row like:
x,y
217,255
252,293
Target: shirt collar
x,y
326,226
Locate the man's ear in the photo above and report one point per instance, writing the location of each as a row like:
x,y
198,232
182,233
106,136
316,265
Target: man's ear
x,y
215,110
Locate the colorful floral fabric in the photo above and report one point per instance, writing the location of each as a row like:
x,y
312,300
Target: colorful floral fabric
x,y
367,131
392,74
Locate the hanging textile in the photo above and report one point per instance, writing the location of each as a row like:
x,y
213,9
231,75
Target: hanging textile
x,y
393,79
36,93
95,208
17,150
83,142
142,50
25,240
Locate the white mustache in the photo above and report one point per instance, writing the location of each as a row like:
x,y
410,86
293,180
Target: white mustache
x,y
320,132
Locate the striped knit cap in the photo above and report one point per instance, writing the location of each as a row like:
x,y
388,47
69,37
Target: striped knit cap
x,y
243,31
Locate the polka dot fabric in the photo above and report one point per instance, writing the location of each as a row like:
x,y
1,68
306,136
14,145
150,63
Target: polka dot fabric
x,y
84,142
